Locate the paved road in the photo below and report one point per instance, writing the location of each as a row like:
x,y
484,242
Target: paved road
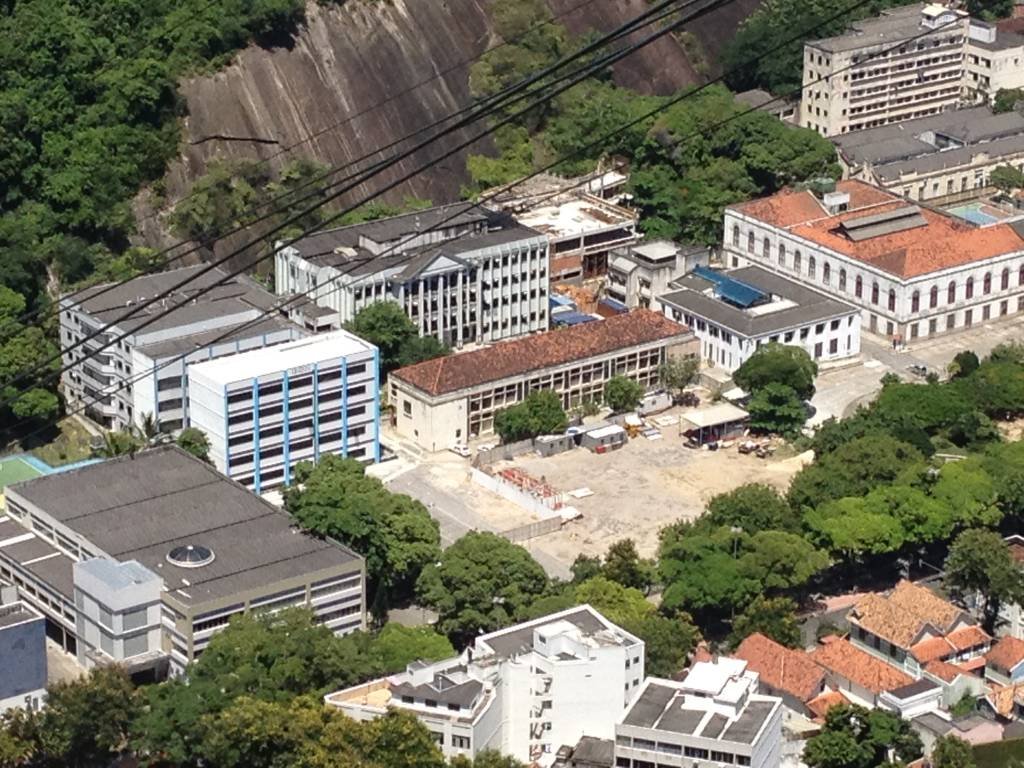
x,y
456,519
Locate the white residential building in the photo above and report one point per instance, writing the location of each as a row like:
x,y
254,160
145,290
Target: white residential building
x,y
909,62
913,272
884,70
461,273
266,411
714,716
638,273
524,691
733,313
142,375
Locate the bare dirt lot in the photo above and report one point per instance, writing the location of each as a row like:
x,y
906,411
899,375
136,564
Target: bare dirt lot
x,y
637,490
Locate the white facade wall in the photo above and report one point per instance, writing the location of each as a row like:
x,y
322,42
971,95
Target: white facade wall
x,y
120,623
492,293
437,423
881,83
260,427
126,383
989,70
825,341
548,702
895,316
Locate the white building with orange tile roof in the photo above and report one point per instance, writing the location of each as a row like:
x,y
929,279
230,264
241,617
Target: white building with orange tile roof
x,y
913,272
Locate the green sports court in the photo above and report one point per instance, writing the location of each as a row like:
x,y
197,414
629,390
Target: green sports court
x,y
14,469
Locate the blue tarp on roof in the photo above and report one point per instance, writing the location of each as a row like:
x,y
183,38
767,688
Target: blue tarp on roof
x,y
559,300
572,318
618,306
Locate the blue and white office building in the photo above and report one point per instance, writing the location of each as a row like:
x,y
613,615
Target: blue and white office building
x,y
267,410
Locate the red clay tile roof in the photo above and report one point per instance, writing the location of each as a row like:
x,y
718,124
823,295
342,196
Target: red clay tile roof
x,y
944,242
820,705
541,350
971,636
971,665
860,667
900,616
1007,653
943,670
781,668
931,649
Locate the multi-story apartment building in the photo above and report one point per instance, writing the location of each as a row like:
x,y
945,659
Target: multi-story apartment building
x,y
910,62
445,401
940,159
713,716
267,410
868,77
733,313
913,272
93,548
524,691
993,61
461,273
638,273
142,375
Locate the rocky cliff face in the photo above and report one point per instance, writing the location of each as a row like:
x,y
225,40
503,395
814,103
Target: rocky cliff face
x,y
364,73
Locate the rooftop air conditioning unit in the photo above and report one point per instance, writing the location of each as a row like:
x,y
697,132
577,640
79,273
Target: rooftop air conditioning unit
x,y
836,202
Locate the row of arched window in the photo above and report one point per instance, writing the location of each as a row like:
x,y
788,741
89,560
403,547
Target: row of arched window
x,y
858,286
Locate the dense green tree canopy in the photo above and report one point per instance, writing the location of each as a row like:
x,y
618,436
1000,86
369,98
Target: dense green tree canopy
x,y
854,737
541,413
776,408
394,532
777,363
195,441
980,563
1006,99
952,752
385,324
622,394
774,617
480,583
852,470
753,507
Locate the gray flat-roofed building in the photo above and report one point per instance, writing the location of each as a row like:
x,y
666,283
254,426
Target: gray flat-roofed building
x,y
120,384
460,272
218,549
713,714
765,307
940,159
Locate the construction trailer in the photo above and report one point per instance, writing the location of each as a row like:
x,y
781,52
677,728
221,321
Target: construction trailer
x,y
604,439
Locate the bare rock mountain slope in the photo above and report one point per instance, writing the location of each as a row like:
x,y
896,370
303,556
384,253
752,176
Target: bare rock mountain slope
x,y
363,73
